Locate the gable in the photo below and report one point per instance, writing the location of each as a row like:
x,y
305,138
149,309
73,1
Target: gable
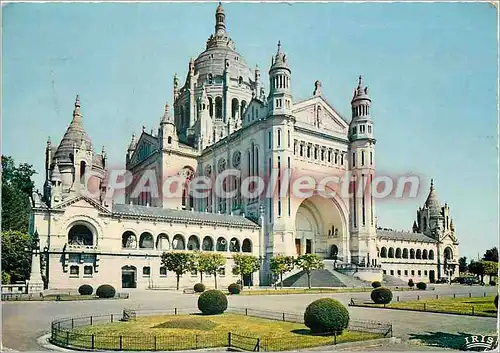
x,y
256,110
317,112
145,147
81,202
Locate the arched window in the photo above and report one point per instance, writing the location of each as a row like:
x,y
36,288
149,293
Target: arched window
x,y
210,78
279,137
391,253
234,107
82,172
383,252
448,253
221,244
80,234
405,253
208,244
425,223
246,246
240,80
234,245
211,107
193,243
398,253
218,108
243,107
418,255
129,240
169,139
178,242
424,254
162,242
431,254
146,241
412,254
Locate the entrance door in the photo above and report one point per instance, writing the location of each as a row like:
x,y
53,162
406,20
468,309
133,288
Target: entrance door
x,y
308,246
297,247
432,276
128,277
247,280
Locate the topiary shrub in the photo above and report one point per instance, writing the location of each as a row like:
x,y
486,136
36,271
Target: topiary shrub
x,y
105,291
381,295
326,315
376,284
234,288
199,287
421,285
496,301
410,283
85,289
212,302
493,283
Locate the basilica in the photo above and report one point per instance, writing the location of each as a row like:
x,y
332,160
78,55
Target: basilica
x,y
223,119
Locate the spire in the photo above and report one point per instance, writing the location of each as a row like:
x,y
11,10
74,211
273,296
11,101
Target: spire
x,y
432,200
280,60
220,20
166,116
56,174
415,227
361,91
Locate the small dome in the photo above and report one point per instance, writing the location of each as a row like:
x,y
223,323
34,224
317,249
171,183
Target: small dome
x,y
280,60
220,9
361,92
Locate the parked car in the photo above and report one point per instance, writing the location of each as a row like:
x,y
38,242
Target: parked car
x,y
442,280
471,280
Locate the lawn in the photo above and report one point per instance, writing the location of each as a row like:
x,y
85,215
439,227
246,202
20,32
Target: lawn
x,y
183,332
481,306
311,291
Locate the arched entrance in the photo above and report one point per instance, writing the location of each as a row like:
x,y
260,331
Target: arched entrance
x,y
80,234
320,228
129,277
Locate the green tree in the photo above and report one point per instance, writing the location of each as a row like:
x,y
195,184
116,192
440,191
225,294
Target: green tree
x,y
16,255
490,268
462,264
281,264
491,255
477,268
5,278
17,190
308,263
245,265
178,262
211,263
198,264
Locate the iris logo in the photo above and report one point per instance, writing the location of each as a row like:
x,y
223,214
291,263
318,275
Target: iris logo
x,y
481,343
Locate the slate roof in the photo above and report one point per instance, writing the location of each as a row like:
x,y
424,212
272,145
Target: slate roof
x,y
182,215
395,235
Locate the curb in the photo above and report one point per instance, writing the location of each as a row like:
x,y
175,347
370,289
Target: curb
x,y
421,311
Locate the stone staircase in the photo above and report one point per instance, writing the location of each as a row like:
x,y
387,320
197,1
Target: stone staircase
x,y
319,278
392,281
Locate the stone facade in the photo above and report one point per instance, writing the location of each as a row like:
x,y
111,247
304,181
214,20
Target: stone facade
x,y
222,120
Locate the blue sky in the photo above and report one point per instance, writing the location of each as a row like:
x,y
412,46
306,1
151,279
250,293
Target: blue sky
x,y
431,69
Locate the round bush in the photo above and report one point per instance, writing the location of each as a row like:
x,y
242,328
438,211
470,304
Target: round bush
x,y
199,287
421,286
212,302
381,295
326,315
105,291
376,284
410,283
85,289
496,301
234,288
493,283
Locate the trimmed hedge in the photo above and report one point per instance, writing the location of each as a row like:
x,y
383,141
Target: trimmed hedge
x,y
410,283
326,315
422,285
85,289
381,295
376,284
199,287
496,301
234,288
212,302
105,291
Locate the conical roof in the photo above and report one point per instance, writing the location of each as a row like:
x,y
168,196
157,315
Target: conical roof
x,y
361,92
75,135
280,60
432,201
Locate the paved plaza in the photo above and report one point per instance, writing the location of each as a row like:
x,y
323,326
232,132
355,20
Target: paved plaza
x,y
25,322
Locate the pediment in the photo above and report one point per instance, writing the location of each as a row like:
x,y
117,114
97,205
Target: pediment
x,y
145,147
317,112
81,201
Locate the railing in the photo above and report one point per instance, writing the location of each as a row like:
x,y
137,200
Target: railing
x,y
65,333
56,297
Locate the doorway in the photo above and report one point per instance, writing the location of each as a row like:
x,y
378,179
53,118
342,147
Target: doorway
x,y
247,280
432,276
129,275
308,246
297,247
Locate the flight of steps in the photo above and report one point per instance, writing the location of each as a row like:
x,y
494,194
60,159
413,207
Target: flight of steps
x,y
392,281
319,278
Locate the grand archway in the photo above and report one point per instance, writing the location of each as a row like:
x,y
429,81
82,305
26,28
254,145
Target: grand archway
x,y
320,226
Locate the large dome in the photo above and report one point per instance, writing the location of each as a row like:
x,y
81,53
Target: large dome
x,y
75,135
